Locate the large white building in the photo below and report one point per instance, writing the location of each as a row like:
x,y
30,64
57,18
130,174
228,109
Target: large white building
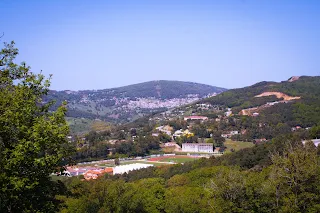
x,y
129,167
197,147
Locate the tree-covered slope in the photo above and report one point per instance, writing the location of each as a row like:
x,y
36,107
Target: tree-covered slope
x,y
304,111
273,177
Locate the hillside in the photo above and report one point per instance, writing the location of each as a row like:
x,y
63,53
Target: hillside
x,y
256,113
131,102
293,102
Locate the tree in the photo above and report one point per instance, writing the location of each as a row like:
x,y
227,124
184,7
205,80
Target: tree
x,y
295,179
117,161
218,140
33,141
163,137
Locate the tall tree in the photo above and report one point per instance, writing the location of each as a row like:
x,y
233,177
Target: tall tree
x,y
33,140
295,179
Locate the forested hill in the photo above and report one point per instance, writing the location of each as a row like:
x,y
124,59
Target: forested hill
x,y
130,102
305,87
164,90
296,100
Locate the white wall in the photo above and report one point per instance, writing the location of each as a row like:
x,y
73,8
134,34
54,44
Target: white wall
x,y
130,167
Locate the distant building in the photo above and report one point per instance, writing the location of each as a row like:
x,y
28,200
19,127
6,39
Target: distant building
x,y
94,174
234,132
178,133
165,129
228,113
75,171
258,141
195,117
197,147
129,167
230,134
255,114
316,142
170,144
218,150
225,135
295,128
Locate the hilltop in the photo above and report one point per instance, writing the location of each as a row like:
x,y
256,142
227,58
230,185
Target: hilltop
x,y
130,102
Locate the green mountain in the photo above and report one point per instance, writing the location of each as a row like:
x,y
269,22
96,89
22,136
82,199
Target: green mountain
x,y
128,103
295,101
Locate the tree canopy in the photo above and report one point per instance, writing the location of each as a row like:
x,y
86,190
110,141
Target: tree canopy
x,y
33,142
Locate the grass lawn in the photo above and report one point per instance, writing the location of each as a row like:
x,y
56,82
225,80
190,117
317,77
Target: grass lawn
x,y
78,125
237,145
178,160
99,164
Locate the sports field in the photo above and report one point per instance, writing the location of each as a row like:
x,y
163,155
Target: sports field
x,y
155,163
174,159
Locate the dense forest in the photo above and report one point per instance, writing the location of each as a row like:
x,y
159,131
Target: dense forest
x,y
280,176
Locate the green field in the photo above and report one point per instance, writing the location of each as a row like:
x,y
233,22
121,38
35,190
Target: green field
x,y
82,125
236,145
178,160
132,162
78,125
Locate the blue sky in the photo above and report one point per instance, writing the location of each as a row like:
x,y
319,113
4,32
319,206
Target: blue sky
x,y
105,44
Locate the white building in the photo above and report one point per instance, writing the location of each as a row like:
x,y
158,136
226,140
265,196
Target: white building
x,y
197,147
234,132
196,117
228,113
129,167
316,142
165,129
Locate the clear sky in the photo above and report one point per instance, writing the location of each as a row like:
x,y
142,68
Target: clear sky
x,y
104,44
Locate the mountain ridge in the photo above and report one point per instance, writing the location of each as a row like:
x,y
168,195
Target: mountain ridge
x,y
130,102
141,84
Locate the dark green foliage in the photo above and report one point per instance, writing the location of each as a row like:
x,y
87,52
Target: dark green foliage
x,y
243,97
33,140
304,112
141,146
